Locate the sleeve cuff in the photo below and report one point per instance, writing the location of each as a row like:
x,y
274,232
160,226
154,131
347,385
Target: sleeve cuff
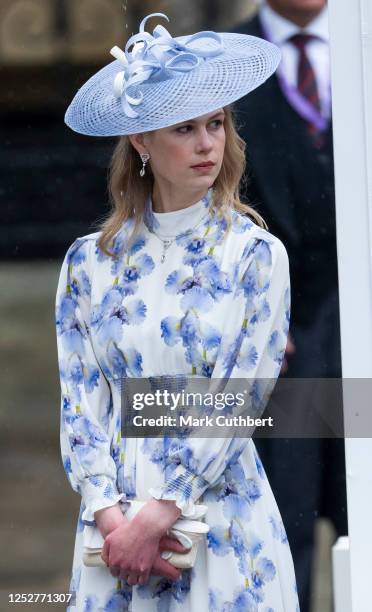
x,y
98,492
184,488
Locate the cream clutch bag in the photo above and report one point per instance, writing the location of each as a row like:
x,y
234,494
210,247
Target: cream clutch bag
x,y
187,531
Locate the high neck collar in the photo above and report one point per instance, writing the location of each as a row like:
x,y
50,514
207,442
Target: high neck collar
x,y
170,224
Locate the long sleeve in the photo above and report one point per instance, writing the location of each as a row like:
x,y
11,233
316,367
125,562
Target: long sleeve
x,y
86,397
252,347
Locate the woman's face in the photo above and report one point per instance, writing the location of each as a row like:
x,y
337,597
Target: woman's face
x,y
188,155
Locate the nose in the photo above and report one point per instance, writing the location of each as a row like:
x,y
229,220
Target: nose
x,y
203,140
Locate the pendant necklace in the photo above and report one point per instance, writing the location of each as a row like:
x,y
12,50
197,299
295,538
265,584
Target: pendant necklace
x,y
167,242
166,245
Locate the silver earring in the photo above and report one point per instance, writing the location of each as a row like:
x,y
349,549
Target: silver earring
x,y
144,158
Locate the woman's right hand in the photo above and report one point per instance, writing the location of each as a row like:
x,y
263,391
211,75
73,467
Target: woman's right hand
x,y
161,567
133,553
109,518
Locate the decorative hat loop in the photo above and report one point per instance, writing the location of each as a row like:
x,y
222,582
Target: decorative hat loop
x,y
157,55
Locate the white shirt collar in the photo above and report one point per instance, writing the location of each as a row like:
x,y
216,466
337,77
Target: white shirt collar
x,y
280,29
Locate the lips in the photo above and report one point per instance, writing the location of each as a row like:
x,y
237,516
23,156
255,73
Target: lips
x,y
203,165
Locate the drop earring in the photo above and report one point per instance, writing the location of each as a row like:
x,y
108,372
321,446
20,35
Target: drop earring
x,y
145,158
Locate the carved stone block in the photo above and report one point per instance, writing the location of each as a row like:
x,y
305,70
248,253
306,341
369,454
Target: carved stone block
x,y
27,32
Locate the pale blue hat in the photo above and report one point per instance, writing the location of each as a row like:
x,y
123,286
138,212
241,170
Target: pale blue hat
x,y
159,80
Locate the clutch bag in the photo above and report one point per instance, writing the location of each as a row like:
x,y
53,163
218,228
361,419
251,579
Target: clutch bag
x,y
188,531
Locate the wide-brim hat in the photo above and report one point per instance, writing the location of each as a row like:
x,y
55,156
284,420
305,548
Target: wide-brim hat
x,y
159,81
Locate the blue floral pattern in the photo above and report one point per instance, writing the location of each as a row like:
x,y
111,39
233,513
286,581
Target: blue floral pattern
x,y
216,308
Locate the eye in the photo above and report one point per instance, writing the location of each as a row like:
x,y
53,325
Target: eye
x,y
216,124
184,129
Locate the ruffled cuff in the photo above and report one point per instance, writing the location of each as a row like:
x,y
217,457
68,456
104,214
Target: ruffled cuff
x,y
185,488
98,492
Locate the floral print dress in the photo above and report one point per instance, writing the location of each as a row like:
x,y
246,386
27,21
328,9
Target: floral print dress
x,y
212,308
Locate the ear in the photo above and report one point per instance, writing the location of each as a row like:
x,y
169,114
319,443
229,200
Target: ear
x,y
137,141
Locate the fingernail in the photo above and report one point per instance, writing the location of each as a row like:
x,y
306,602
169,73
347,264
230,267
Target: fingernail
x,y
166,554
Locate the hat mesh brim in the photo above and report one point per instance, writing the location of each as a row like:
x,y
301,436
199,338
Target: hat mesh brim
x,y
246,63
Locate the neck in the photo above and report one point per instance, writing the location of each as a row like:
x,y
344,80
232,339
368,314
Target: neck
x,y
301,18
169,198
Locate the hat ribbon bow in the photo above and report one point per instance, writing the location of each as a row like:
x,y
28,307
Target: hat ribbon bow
x,y
159,56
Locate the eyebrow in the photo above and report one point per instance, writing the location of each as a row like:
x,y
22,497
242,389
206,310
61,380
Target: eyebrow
x,y
219,114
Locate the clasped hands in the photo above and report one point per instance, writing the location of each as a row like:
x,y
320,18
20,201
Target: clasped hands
x,y
132,549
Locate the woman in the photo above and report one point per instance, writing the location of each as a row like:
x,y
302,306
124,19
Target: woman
x,y
179,283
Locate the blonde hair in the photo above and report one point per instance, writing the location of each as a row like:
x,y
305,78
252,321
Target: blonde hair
x,y
129,191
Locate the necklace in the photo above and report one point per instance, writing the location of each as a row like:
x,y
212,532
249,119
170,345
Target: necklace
x,y
166,245
167,242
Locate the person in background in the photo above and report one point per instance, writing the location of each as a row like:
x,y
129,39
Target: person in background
x,y
287,127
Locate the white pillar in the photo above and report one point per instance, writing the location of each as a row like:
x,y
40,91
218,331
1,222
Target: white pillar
x,y
351,60
341,575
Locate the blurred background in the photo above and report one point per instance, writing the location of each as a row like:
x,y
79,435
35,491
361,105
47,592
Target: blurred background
x,y
53,189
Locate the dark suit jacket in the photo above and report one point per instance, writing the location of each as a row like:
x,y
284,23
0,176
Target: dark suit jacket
x,y
292,185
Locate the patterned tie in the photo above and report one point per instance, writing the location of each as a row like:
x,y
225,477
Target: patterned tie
x,y
306,82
